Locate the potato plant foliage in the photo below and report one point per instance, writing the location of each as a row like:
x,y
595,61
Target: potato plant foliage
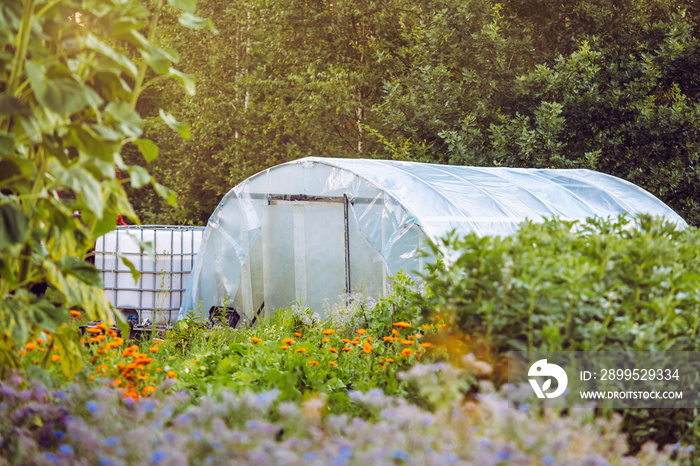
x,y
71,72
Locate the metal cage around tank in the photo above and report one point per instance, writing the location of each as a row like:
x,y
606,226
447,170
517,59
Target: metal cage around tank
x,y
156,297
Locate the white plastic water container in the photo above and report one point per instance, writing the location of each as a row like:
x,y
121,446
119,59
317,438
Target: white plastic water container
x,y
157,295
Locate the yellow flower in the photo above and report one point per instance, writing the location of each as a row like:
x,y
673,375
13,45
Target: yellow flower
x,y
366,347
326,340
55,357
395,332
407,342
402,324
255,339
153,349
328,332
362,331
426,345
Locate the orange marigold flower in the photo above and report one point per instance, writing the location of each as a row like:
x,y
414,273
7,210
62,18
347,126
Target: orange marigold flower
x,y
158,369
75,313
389,360
370,339
100,325
91,378
332,363
437,316
345,340
117,382
388,338
55,357
21,352
395,332
30,346
347,349
442,325
39,341
426,345
333,350
153,349
328,332
255,339
171,374
94,330
354,342
366,347
384,367
300,350
288,341
313,363
195,360
362,331
425,327
326,340
297,334
284,347
101,351
148,389
402,324
407,342
406,351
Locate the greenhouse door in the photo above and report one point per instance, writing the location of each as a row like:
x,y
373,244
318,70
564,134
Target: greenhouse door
x,y
304,251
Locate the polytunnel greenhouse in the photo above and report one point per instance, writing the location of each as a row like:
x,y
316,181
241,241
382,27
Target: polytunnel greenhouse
x,y
315,228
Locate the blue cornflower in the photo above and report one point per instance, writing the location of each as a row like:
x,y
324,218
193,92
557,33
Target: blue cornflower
x,y
58,434
112,441
345,451
52,457
311,456
547,460
65,449
400,454
689,449
503,455
149,406
158,456
92,407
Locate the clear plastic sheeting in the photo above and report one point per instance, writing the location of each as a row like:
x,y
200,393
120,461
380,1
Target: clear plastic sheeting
x,y
310,230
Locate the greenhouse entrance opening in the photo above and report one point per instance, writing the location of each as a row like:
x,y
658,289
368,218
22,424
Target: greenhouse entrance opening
x,y
299,233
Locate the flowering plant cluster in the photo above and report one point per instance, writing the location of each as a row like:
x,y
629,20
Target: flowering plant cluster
x,y
95,425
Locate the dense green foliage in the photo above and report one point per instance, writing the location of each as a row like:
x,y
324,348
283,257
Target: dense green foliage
x,y
67,95
565,286
610,86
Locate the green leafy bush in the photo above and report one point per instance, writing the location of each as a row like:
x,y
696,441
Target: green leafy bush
x,y
569,286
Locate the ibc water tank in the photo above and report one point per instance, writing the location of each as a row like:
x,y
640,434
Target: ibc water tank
x,y
157,295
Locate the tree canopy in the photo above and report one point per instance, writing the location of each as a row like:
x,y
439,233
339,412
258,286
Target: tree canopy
x,y
610,86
